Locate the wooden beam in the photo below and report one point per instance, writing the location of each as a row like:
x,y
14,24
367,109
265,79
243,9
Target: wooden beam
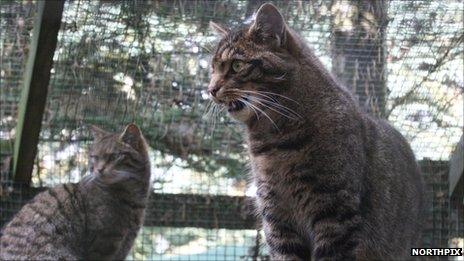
x,y
165,210
228,212
34,91
202,211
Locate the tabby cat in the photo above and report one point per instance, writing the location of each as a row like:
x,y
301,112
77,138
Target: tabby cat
x,y
95,219
332,182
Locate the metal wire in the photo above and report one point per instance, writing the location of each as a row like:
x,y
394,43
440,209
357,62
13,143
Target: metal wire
x,y
147,62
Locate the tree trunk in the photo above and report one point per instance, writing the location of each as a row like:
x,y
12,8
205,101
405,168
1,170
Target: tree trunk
x,y
358,50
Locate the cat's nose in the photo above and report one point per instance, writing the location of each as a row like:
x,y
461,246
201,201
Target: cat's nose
x,y
99,168
213,89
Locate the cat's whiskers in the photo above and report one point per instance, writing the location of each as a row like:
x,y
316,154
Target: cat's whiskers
x,y
213,117
270,98
281,77
217,113
265,101
249,104
207,109
262,103
242,98
211,107
273,105
256,113
275,102
87,179
211,113
90,179
270,103
269,93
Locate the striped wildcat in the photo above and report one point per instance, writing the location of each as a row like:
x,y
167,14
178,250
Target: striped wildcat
x,y
332,182
95,219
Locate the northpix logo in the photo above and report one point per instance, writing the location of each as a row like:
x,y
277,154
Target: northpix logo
x,y
436,252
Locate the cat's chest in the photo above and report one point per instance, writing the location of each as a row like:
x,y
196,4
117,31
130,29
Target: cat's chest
x,y
107,212
270,177
258,165
269,167
273,188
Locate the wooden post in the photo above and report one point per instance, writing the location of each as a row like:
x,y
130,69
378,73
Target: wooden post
x,y
456,174
34,91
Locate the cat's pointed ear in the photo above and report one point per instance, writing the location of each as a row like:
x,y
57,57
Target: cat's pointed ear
x,y
132,136
269,24
219,29
97,132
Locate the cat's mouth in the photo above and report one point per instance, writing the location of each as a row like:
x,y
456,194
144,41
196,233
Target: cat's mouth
x,y
234,106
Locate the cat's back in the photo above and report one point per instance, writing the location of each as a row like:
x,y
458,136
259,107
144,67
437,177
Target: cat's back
x,y
391,164
386,147
394,190
41,225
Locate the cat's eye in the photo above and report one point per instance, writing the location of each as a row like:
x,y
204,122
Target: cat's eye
x,y
237,65
114,156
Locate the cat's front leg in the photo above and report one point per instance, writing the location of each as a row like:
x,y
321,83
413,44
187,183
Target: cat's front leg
x,y
335,238
284,242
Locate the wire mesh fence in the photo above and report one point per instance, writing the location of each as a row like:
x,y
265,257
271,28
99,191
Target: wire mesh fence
x,y
148,62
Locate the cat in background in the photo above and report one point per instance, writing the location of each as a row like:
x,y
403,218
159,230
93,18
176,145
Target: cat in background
x,y
333,183
95,219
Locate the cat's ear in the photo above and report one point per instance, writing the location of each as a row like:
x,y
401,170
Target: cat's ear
x,y
269,24
97,132
132,136
219,29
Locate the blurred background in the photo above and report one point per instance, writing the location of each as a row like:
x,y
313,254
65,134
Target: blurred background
x,y
147,62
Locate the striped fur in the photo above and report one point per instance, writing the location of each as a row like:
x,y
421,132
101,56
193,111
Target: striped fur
x,y
332,182
95,219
